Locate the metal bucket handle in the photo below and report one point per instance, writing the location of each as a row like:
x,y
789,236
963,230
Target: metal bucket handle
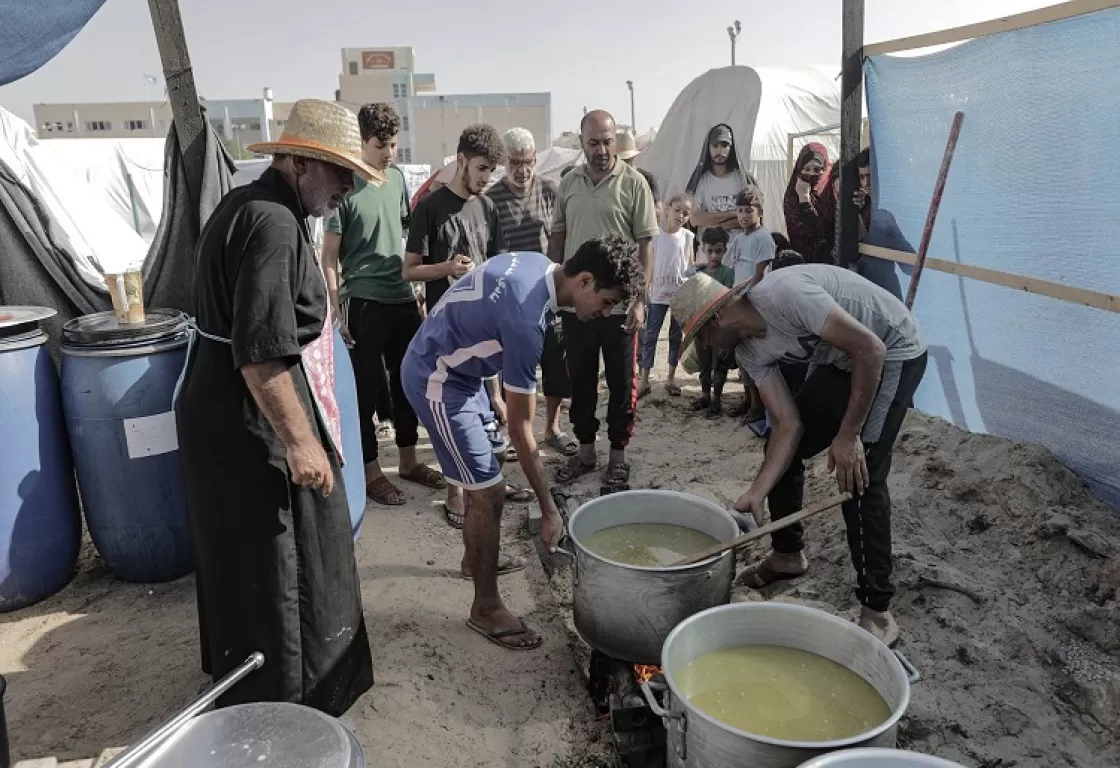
x,y
667,714
912,673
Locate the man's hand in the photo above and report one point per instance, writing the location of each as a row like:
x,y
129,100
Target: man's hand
x,y
498,403
552,525
636,317
803,188
344,330
846,456
310,466
753,505
459,266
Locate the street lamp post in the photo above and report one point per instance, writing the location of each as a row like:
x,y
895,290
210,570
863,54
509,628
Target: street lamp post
x,y
633,122
733,33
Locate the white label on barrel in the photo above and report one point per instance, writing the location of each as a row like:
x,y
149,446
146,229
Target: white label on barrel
x,y
151,435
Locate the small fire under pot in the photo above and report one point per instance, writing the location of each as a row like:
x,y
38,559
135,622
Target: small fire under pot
x,y
615,688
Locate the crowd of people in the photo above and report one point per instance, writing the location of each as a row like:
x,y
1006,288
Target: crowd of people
x,y
450,308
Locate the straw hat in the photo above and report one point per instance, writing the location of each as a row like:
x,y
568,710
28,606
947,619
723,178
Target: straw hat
x,y
322,130
626,145
697,301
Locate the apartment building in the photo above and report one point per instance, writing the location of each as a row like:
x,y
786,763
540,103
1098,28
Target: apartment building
x,y
430,122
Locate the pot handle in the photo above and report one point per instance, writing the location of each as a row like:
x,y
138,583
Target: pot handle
x,y
912,673
647,691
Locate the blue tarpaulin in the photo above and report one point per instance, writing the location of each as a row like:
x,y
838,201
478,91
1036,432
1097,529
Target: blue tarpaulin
x,y
1032,191
32,32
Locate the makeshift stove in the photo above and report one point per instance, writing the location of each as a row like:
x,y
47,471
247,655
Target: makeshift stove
x,y
615,687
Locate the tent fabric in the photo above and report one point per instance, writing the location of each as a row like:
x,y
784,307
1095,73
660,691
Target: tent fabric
x,y
763,106
34,32
1042,102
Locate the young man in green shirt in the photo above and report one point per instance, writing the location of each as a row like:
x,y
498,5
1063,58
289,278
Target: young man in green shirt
x,y
363,246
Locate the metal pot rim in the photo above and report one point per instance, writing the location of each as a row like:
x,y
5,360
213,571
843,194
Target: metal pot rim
x,y
581,549
846,626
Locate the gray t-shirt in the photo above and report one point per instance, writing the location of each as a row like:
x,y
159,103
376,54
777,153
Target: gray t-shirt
x,y
746,250
716,194
796,301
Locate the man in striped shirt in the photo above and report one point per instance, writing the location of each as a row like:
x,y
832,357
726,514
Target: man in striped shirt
x,y
525,203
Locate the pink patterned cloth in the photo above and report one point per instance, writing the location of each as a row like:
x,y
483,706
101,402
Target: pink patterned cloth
x,y
317,359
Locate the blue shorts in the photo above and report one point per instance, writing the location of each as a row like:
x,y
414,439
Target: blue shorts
x,y
464,434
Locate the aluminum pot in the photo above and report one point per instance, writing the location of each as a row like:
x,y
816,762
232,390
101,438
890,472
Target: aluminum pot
x,y
878,758
696,740
627,611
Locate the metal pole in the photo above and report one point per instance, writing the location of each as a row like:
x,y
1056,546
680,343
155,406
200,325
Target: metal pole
x,y
733,33
851,124
934,206
633,120
161,733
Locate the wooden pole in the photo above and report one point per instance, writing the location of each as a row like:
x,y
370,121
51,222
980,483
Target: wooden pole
x,y
851,125
181,92
934,206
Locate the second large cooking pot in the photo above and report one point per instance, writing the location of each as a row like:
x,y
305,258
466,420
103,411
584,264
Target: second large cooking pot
x,y
627,611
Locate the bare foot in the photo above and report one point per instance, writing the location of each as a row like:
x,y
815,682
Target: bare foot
x,y
776,566
880,624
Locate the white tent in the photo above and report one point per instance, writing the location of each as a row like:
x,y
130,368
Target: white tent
x,y
764,107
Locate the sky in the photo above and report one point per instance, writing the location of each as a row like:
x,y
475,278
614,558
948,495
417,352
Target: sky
x,y
583,58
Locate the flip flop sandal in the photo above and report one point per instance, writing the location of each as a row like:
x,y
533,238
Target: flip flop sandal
x,y
382,491
518,495
701,404
506,566
573,470
762,575
453,518
673,390
385,431
563,444
737,410
647,390
618,474
424,475
511,455
499,638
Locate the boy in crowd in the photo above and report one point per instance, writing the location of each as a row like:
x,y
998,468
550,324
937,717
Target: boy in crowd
x,y
712,367
672,254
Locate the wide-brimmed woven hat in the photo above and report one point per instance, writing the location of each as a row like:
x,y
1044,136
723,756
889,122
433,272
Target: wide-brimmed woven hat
x,y
322,130
697,301
626,145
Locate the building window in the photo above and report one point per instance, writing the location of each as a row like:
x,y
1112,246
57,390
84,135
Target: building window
x,y
400,90
69,127
94,126
136,125
353,67
404,122
404,155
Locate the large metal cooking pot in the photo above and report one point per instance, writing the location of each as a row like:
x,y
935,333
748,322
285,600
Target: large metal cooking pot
x,y
627,611
279,735
695,740
878,758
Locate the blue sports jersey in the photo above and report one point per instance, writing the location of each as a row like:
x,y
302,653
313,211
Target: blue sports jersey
x,y
491,321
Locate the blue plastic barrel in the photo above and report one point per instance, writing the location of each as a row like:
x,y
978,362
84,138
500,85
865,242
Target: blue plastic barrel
x,y
40,526
353,472
117,386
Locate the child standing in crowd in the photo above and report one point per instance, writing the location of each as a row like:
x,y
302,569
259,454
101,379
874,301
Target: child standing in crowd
x,y
713,367
672,256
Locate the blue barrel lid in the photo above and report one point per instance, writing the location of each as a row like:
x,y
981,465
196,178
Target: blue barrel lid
x,y
101,329
19,326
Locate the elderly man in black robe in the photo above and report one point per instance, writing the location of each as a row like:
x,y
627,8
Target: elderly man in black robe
x,y
259,431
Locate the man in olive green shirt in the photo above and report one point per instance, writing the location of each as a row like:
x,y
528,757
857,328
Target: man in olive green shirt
x,y
603,197
364,241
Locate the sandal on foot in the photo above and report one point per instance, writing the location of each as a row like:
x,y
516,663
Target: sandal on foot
x,y
563,444
702,403
507,638
673,390
762,575
739,409
453,517
573,470
506,565
424,475
385,431
645,390
618,474
518,495
382,491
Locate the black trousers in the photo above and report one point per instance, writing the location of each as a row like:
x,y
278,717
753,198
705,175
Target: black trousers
x,y
554,364
381,335
713,368
822,401
583,343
